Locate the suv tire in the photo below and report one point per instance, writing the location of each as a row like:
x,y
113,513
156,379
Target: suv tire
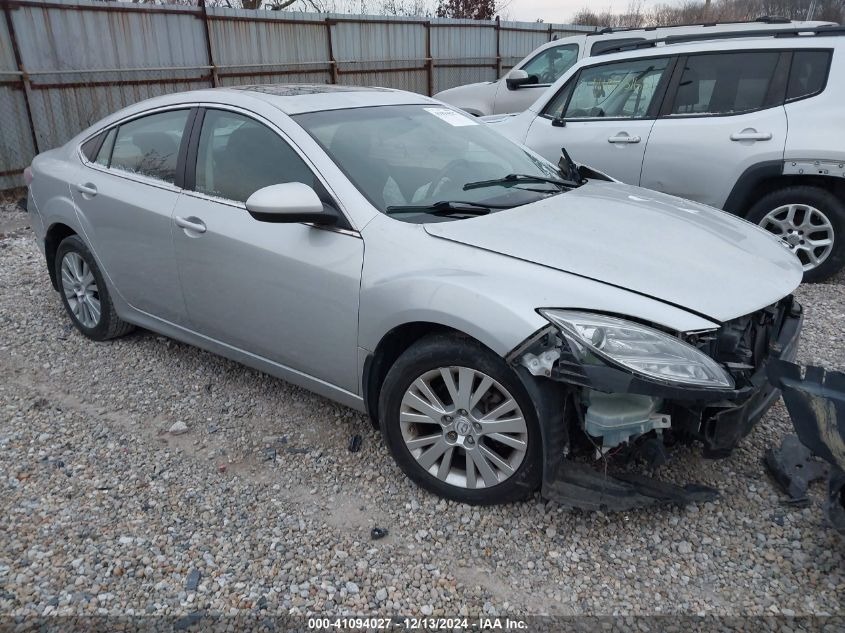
x,y
825,203
483,383
84,293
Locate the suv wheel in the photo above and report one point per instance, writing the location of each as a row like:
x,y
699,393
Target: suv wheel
x,y
84,292
811,221
460,423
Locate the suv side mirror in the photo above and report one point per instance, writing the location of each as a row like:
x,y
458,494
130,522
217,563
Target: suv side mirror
x,y
289,202
518,78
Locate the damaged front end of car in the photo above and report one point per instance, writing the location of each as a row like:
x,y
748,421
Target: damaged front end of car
x,y
628,387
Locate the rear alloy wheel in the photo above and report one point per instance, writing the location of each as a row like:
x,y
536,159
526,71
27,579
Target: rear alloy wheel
x,y
460,423
810,221
84,293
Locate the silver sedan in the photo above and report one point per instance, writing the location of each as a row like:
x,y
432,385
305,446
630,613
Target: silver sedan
x,y
491,311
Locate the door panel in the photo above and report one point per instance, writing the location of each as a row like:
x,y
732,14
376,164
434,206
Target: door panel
x,y
603,116
614,147
702,158
725,115
126,211
286,292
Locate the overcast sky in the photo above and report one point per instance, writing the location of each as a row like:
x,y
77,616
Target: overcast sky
x,y
563,10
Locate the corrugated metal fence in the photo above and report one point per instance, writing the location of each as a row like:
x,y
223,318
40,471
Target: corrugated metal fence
x,y
64,64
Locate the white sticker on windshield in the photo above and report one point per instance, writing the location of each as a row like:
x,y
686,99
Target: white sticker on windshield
x,y
451,117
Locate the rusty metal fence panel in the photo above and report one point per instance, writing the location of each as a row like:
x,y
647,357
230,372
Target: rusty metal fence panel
x,y
64,64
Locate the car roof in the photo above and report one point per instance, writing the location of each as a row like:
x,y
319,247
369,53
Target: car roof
x,y
751,42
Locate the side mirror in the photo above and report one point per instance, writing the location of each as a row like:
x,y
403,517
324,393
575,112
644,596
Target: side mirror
x,y
289,202
517,78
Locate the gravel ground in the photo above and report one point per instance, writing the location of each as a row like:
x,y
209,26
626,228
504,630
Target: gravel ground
x,y
260,505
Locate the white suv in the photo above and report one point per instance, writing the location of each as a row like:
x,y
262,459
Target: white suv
x,y
751,125
544,65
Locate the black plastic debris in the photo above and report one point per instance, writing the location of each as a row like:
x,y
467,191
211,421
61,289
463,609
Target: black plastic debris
x,y
793,467
578,485
193,580
378,533
355,443
815,399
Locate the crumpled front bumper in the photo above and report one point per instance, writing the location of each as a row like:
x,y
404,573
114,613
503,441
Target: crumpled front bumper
x,y
719,418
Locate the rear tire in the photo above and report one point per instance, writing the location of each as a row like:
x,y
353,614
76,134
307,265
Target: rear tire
x,y
483,422
772,213
84,293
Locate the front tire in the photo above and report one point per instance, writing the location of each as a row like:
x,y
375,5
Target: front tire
x,y
84,293
460,423
811,221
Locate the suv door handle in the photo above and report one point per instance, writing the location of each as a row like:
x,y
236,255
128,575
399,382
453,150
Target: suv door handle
x,y
190,224
623,138
88,189
751,135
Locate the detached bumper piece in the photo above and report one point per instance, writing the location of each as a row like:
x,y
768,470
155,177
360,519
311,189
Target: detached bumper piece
x,y
577,485
816,404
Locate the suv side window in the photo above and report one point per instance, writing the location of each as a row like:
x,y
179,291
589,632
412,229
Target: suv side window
x,y
237,156
150,145
808,74
725,83
619,90
551,63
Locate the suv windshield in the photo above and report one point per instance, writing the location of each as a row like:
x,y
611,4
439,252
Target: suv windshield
x,y
408,158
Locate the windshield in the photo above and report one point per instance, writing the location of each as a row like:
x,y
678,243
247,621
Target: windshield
x,y
408,157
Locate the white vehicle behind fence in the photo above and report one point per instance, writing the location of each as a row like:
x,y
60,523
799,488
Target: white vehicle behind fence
x,y
519,88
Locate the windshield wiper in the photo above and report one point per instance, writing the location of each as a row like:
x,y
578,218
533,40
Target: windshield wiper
x,y
518,179
447,207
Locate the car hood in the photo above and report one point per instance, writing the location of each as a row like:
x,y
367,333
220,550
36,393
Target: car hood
x,y
680,252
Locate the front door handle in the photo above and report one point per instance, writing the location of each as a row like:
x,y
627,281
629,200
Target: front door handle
x,y
88,189
622,137
751,134
190,224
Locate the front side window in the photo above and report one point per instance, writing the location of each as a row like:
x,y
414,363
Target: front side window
x,y
808,74
150,145
421,155
621,90
550,64
237,156
725,83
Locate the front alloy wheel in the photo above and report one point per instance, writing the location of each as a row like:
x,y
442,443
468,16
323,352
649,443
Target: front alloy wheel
x,y
460,422
463,427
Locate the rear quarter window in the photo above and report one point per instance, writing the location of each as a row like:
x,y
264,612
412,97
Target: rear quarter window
x,y
808,74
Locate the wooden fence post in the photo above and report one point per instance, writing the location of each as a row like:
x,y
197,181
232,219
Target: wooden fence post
x,y
215,80
27,88
332,60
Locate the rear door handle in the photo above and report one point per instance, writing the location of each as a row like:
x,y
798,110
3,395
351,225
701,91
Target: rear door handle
x,y
88,189
751,135
623,138
190,224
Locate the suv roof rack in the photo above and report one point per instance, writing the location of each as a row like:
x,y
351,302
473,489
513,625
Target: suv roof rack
x,y
727,35
765,19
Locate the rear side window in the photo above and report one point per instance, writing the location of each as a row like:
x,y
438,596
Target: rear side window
x,y
808,74
725,83
237,156
104,155
150,145
90,147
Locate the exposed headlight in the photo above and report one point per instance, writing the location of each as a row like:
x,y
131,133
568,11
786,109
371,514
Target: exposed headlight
x,y
641,349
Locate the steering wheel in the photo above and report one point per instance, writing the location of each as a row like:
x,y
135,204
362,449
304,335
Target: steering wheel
x,y
443,176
